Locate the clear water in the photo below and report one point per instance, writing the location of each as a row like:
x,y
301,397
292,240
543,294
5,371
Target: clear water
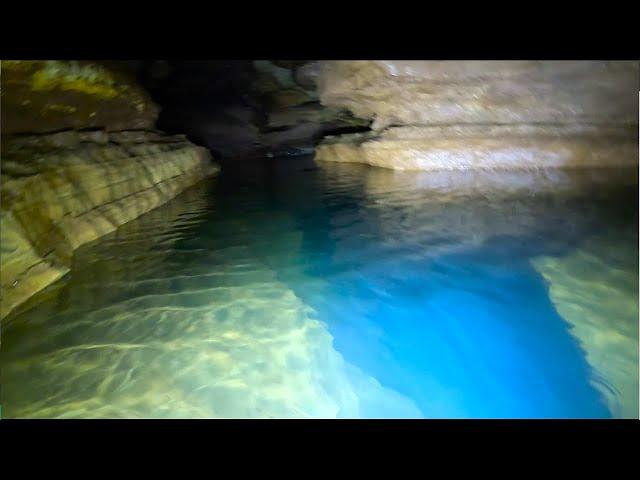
x,y
346,291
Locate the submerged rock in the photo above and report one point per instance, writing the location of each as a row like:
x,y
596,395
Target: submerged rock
x,y
595,289
239,342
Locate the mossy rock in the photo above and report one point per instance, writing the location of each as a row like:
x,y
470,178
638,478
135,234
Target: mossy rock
x,y
47,96
283,99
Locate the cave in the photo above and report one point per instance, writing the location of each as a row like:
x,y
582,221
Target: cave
x,y
313,239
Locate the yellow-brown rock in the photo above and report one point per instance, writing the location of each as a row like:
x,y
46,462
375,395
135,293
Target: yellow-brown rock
x,y
485,92
52,95
63,190
464,147
595,289
432,115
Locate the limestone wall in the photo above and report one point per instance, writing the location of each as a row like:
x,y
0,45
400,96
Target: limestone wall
x,y
487,147
53,95
433,115
63,190
80,157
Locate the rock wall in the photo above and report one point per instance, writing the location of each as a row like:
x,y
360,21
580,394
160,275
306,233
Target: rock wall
x,y
48,96
63,185
242,109
462,147
431,115
294,117
63,197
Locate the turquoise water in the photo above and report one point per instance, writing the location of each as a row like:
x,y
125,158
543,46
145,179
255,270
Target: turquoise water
x,y
286,290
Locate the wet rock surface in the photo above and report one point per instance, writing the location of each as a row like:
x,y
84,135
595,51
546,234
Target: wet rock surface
x,y
430,115
80,157
595,288
56,199
462,147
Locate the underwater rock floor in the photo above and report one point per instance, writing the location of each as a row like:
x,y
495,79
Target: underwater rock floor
x,y
345,291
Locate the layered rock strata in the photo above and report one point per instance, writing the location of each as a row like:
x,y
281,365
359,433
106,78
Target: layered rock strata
x,y
79,159
57,199
462,147
431,115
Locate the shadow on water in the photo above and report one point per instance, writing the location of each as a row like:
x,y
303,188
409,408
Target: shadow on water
x,y
285,289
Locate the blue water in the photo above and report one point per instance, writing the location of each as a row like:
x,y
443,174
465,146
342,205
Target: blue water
x,y
426,300
463,337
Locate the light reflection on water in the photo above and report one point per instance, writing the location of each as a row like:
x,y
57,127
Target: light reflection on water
x,y
346,291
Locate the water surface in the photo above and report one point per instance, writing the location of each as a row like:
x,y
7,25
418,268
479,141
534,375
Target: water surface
x,y
290,291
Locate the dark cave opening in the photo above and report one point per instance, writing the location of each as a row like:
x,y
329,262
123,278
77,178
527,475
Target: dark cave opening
x,y
241,109
346,130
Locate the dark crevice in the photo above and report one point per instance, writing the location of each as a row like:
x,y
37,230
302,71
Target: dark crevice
x,y
347,130
276,129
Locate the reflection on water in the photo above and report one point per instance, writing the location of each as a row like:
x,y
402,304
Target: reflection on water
x,y
346,291
595,288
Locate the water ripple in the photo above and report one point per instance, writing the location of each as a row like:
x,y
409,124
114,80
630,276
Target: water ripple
x,y
343,292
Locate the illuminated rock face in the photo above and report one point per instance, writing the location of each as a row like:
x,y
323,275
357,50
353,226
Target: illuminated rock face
x,y
486,147
103,166
55,199
430,115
